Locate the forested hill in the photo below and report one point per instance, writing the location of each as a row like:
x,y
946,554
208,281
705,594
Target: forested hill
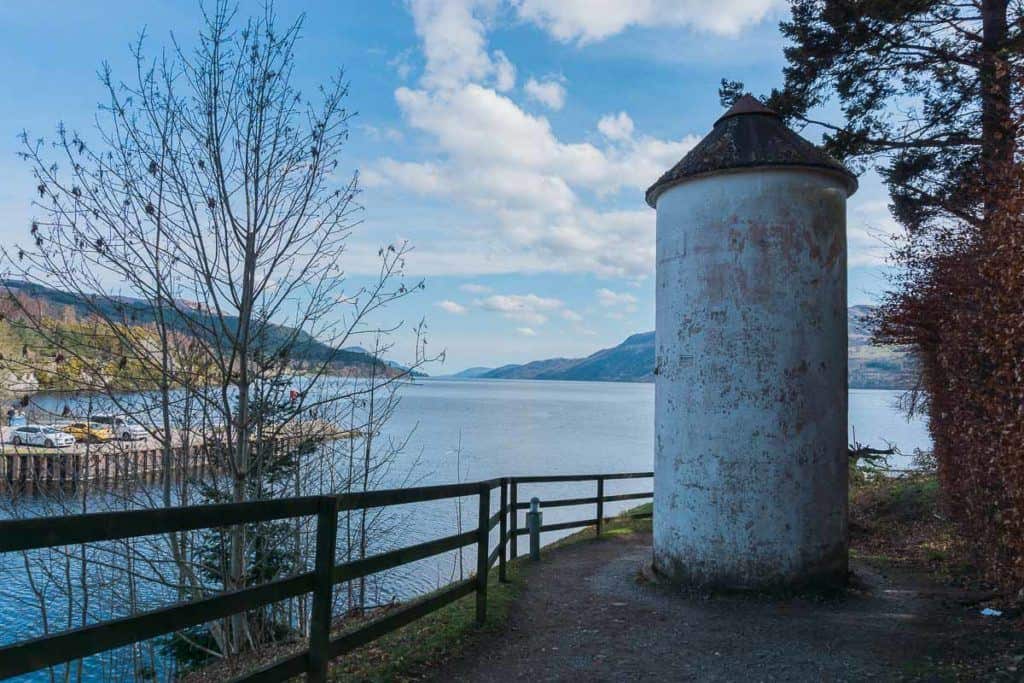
x,y
71,308
871,367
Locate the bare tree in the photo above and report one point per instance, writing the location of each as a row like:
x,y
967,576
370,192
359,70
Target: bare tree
x,y
202,236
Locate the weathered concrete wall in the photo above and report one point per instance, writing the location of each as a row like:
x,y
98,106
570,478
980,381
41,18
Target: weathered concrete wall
x,y
750,453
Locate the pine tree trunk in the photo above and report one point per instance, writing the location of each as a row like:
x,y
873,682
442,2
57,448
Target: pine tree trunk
x,y
997,139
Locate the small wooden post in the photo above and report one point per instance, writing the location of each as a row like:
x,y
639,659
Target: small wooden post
x,y
514,519
482,543
323,590
600,505
503,533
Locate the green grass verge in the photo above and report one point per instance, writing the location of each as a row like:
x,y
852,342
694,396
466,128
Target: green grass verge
x,y
406,653
621,525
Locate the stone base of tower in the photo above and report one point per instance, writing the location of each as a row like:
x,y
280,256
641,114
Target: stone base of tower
x,y
829,570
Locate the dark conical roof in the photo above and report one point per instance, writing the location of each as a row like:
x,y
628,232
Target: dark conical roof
x,y
749,135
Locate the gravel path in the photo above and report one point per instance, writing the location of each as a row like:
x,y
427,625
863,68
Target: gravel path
x,y
586,615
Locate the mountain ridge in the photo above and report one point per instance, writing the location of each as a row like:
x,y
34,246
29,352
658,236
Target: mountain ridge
x,y
870,366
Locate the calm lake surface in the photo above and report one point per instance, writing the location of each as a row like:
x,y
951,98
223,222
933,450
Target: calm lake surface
x,y
491,428
519,427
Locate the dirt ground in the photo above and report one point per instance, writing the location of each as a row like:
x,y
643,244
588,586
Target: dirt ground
x,y
586,614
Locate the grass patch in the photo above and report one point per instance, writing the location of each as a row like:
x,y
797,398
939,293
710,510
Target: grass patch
x,y
899,520
405,654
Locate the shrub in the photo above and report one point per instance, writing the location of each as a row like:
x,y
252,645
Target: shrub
x,y
961,303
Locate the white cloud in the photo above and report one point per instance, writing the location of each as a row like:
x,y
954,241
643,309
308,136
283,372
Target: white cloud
x,y
504,72
587,21
444,257
527,308
454,44
625,302
422,178
383,133
451,307
617,127
508,166
549,92
522,193
571,316
526,331
870,233
474,288
401,64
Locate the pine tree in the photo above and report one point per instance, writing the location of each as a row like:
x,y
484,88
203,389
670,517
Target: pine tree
x,y
925,89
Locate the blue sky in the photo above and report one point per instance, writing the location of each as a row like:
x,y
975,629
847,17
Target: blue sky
x,y
509,140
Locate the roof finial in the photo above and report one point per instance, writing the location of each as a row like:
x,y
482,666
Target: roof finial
x,y
746,104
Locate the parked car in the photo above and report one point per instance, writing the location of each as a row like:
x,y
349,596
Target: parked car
x,y
122,427
40,435
88,431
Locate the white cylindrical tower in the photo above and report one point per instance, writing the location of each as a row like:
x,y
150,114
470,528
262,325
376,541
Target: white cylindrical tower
x,y
750,487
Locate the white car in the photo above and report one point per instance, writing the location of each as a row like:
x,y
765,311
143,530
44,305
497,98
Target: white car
x,y
122,427
40,435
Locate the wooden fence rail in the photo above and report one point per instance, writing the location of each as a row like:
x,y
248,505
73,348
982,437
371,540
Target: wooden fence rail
x,y
50,650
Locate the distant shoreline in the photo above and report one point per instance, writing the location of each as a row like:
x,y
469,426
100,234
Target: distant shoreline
x,y
456,378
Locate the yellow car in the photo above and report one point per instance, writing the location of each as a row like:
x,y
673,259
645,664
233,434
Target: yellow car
x,y
88,431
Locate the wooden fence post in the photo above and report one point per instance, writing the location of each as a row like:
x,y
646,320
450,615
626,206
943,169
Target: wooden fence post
x,y
320,622
503,533
514,520
600,505
482,543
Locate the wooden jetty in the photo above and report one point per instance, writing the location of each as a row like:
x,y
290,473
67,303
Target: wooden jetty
x,y
27,469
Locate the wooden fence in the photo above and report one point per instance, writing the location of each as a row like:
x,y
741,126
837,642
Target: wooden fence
x,y
46,651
